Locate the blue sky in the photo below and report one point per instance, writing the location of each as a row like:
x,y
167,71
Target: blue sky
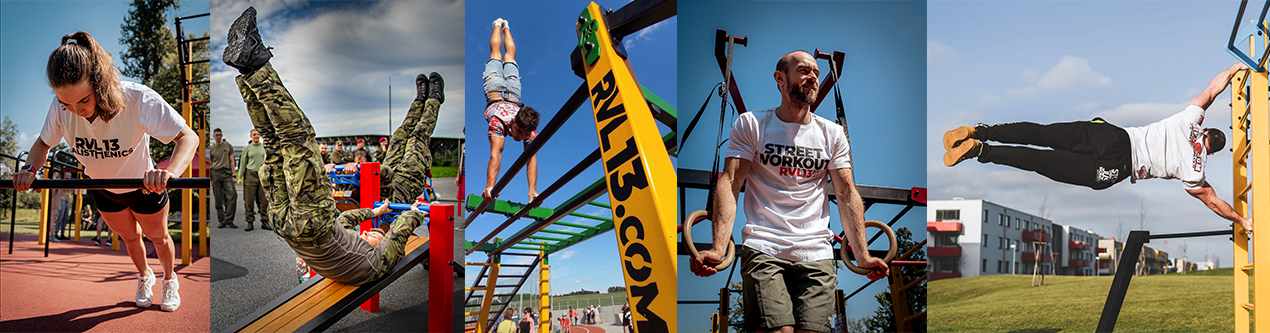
x,y
883,82
30,30
1131,63
338,58
544,35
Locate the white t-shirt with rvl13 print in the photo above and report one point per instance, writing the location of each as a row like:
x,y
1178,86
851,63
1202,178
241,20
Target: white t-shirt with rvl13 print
x,y
119,148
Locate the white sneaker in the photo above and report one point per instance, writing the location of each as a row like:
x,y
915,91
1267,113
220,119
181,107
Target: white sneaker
x,y
171,299
145,296
499,22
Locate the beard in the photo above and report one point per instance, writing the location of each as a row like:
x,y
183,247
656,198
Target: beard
x,y
800,96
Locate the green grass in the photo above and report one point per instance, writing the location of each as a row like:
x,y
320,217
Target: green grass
x,y
445,171
1192,302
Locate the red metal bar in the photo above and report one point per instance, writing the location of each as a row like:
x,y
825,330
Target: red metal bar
x,y
440,273
369,187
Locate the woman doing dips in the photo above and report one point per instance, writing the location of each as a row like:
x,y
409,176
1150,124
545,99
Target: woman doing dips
x,y
108,125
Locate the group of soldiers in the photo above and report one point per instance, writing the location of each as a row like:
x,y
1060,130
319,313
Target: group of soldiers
x,y
226,172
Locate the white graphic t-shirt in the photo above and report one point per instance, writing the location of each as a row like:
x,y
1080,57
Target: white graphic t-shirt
x,y
119,148
1172,148
786,204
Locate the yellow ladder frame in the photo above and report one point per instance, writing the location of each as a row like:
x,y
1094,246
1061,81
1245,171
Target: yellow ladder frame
x,y
1247,105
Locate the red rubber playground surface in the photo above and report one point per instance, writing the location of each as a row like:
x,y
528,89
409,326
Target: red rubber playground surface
x,y
82,287
586,329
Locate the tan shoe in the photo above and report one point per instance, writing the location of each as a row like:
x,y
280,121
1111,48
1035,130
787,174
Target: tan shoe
x,y
966,150
957,135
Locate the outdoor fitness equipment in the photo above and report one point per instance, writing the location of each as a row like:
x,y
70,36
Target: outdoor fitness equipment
x,y
638,178
869,194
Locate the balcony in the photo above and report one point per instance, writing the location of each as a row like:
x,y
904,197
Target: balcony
x,y
1078,263
1036,236
1031,257
1103,265
944,251
944,226
944,275
1078,245
1101,250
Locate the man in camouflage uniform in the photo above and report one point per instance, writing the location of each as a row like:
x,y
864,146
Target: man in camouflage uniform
x,y
302,206
339,155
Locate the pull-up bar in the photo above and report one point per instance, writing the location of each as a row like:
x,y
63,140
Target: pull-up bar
x,y
1124,271
63,164
98,184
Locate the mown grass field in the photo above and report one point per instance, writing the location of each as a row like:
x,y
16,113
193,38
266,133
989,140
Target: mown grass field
x,y
1194,302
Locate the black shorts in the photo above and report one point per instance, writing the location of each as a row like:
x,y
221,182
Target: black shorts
x,y
141,203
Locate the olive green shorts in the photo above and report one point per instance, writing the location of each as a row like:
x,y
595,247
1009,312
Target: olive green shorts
x,y
779,292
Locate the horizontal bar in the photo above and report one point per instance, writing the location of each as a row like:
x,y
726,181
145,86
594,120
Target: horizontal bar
x,y
192,16
198,82
52,161
98,184
1194,234
601,204
549,238
197,62
199,102
198,39
402,206
524,248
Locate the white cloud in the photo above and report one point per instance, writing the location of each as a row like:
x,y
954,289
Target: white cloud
x,y
938,52
1069,73
338,61
566,254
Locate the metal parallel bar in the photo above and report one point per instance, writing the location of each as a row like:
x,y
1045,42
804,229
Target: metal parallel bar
x,y
1194,234
98,184
600,204
638,15
181,18
199,39
198,82
1120,284
192,62
201,103
555,186
574,102
63,164
910,285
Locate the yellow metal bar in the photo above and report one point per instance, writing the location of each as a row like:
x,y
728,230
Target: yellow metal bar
x,y
79,211
1239,136
641,179
187,241
487,300
1259,100
544,299
44,212
203,198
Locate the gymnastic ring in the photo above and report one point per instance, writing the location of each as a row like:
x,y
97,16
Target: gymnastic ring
x,y
890,253
699,216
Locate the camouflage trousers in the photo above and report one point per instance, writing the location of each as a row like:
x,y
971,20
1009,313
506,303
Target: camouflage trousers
x,y
408,163
301,200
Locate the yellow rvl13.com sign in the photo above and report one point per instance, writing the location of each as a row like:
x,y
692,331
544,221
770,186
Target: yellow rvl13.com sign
x,y
640,177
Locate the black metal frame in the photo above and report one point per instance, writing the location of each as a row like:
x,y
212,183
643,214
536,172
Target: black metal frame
x,y
332,315
1124,271
116,183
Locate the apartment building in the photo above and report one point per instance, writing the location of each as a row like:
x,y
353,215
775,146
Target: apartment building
x,y
979,237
